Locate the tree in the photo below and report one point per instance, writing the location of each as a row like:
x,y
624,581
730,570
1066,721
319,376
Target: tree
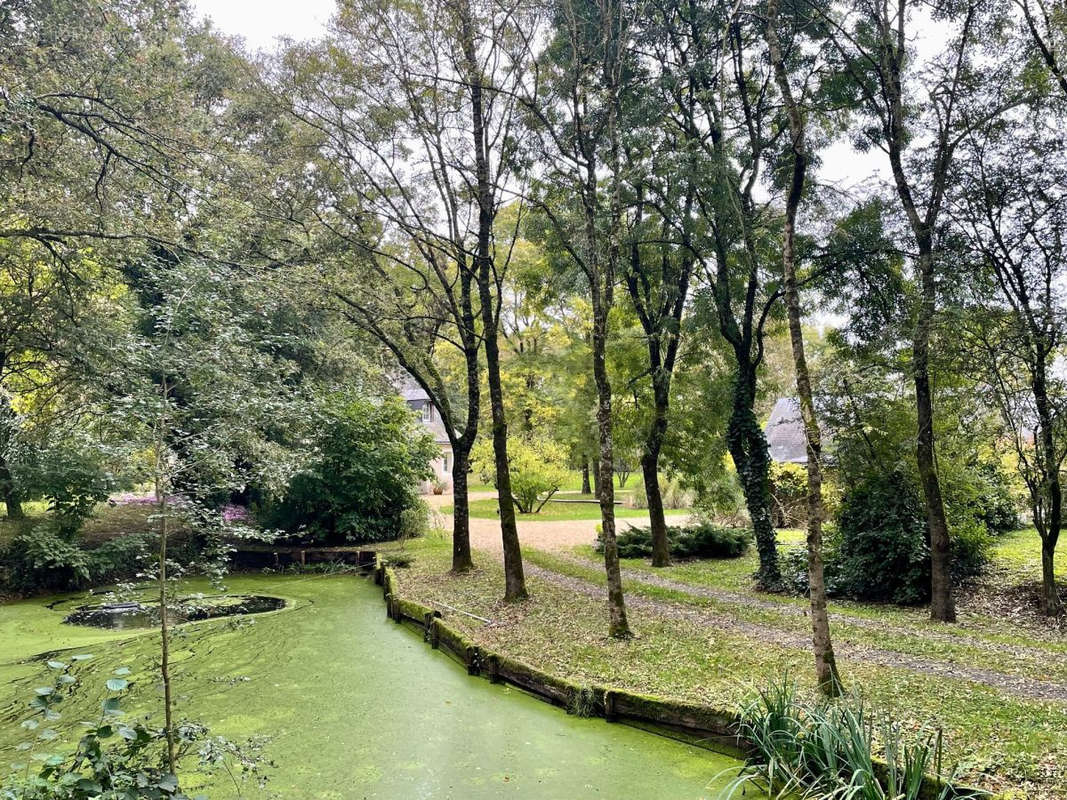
x,y
658,278
720,113
951,96
825,664
1013,220
573,103
196,356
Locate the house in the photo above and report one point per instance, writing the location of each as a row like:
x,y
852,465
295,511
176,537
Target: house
x,y
419,402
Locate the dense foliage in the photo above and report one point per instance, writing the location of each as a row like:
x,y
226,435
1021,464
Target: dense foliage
x,y
363,484
880,551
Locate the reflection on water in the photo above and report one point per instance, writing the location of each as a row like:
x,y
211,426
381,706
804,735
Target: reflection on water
x,y
140,615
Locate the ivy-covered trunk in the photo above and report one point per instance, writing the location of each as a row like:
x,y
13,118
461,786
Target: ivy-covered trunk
x,y
661,554
748,448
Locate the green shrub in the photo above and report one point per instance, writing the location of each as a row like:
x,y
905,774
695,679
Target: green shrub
x,y
537,468
993,505
882,552
673,494
696,541
121,558
372,456
41,560
879,550
789,494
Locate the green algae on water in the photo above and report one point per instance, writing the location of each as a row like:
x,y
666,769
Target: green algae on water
x,y
355,706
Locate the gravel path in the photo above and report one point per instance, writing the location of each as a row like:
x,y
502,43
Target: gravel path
x,y
1000,649
553,536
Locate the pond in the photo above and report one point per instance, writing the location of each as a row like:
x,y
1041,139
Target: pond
x,y
357,707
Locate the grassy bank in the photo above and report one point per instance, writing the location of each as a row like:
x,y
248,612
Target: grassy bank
x,y
716,650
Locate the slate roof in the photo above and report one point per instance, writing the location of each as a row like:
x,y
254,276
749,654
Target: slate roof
x,y
785,433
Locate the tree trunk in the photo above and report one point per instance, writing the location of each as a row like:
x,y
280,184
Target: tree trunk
x,y
9,492
485,270
1050,594
14,507
585,476
618,626
748,448
1052,518
826,674
461,531
942,602
514,578
596,476
661,553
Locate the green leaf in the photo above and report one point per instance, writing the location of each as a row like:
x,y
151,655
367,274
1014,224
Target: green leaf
x,y
117,684
122,671
81,657
44,691
57,665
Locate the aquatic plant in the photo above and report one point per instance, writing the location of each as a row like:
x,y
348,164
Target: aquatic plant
x,y
837,750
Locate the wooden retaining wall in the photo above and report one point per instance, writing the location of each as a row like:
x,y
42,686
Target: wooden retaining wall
x,y
704,726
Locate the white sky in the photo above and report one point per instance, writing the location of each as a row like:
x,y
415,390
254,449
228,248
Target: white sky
x,y
260,22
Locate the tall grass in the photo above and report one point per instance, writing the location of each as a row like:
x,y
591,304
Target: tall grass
x,y
836,750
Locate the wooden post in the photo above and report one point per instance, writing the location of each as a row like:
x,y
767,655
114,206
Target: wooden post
x,y
611,714
493,668
472,660
303,559
435,634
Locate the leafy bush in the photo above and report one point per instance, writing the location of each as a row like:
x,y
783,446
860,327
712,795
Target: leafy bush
x,y
70,475
118,758
537,468
41,560
371,459
879,550
673,494
697,541
121,558
993,505
789,492
883,552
